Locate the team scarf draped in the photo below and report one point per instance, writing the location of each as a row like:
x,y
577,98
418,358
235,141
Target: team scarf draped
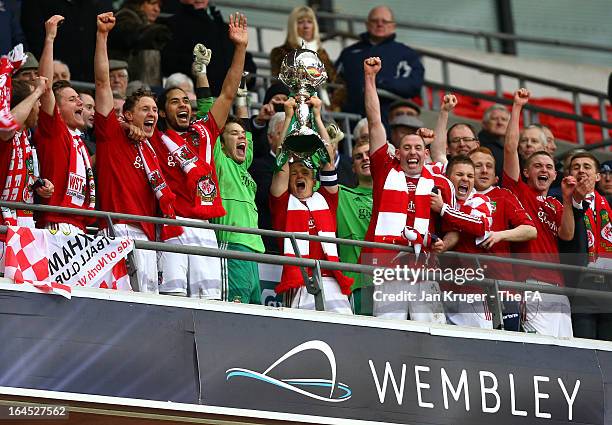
x,y
479,206
165,197
599,229
393,211
298,215
81,186
20,176
194,168
8,64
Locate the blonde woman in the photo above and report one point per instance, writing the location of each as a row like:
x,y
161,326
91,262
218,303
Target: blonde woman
x,y
302,26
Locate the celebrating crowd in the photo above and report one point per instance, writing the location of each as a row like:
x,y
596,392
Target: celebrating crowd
x,y
182,154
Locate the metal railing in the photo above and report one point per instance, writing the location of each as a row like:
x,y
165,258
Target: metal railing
x,y
313,284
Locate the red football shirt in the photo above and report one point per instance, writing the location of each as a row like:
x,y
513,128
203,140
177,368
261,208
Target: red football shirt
x,y
508,213
278,210
380,165
546,213
53,143
123,183
184,206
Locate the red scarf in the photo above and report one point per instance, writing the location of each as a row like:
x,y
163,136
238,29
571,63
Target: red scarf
x,y
198,172
7,120
599,229
20,176
207,194
393,210
165,197
80,187
297,222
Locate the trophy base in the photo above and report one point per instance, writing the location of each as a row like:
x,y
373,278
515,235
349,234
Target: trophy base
x,y
303,145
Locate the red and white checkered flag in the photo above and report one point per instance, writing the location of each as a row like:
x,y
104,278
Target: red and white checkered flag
x,y
26,260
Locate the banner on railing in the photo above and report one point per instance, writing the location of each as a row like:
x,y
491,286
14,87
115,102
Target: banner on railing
x,y
54,261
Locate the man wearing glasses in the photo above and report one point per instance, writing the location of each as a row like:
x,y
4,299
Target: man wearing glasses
x,y
403,71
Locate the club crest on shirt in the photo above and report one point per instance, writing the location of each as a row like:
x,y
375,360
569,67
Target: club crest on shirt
x,y
207,190
194,138
493,206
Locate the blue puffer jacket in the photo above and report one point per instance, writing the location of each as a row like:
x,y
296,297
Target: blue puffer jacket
x,y
402,71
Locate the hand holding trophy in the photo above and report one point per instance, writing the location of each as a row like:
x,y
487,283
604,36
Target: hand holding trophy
x,y
302,71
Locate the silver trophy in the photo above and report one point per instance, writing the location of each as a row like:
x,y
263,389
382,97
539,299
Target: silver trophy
x,y
302,71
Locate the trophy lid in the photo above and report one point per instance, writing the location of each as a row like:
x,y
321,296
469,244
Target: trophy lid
x,y
302,67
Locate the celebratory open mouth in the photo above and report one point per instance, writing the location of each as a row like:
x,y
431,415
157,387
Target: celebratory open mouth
x,y
300,184
183,117
463,189
148,125
413,161
543,178
241,148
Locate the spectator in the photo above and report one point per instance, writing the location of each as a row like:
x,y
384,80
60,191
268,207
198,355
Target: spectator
x,y
551,143
494,125
605,183
591,245
353,218
302,30
118,102
262,171
29,70
360,132
60,71
62,154
296,207
134,86
191,25
403,107
75,44
119,76
273,102
129,169
138,40
18,175
11,33
461,140
403,72
394,212
531,140
183,82
553,221
190,168
403,125
87,131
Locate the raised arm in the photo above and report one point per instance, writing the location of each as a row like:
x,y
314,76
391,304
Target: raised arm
x,y
22,110
104,92
378,135
567,227
280,180
316,104
45,66
239,36
512,165
439,145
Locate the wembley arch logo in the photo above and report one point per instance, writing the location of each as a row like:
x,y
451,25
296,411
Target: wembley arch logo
x,y
303,386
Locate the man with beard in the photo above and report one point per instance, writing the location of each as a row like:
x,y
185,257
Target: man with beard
x,y
62,154
128,170
353,218
591,245
297,208
553,221
187,158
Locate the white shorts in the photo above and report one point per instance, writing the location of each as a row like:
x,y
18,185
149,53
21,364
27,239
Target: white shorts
x,y
552,315
333,298
472,314
193,275
146,261
423,300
